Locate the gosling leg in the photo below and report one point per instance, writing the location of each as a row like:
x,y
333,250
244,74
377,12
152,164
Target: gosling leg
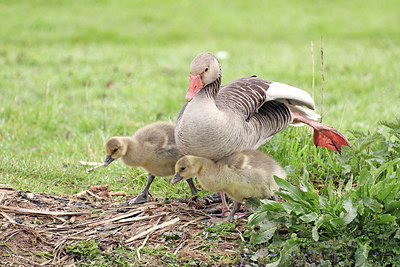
x,y
193,188
144,196
236,207
225,208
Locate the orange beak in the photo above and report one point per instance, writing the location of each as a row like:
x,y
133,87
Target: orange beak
x,y
195,84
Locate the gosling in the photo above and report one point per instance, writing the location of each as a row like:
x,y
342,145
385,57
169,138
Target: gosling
x,y
153,148
241,175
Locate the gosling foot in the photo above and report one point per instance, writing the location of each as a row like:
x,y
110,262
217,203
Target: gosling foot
x,y
139,199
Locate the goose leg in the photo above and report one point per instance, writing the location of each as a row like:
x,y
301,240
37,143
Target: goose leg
x,y
236,207
324,135
225,208
143,197
193,188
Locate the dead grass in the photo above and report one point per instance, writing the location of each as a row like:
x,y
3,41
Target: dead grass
x,y
37,228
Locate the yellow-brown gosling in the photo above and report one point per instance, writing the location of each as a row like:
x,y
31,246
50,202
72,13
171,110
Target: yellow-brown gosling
x,y
241,175
153,148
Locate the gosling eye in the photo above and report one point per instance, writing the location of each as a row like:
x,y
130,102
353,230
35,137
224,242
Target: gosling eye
x,y
182,169
206,69
115,150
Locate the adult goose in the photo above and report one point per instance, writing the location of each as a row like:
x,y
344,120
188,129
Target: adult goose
x,y
244,114
153,148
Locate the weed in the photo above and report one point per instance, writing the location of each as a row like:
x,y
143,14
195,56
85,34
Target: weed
x,y
83,250
366,214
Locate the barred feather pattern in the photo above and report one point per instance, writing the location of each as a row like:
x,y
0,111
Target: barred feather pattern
x,y
245,95
237,117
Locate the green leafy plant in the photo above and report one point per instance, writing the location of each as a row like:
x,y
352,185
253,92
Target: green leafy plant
x,y
84,250
365,209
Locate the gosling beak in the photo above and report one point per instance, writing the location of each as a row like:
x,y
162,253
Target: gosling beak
x,y
176,178
108,160
195,84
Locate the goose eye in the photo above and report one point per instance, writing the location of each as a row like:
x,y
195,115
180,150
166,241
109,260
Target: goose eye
x,y
115,150
206,69
182,168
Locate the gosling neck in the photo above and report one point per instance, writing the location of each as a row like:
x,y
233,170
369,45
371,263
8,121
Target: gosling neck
x,y
131,155
208,175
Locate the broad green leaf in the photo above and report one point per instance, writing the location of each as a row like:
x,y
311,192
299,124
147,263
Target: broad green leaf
x,y
315,234
385,166
257,217
309,217
318,223
270,205
386,192
295,193
323,219
362,254
386,218
348,204
289,207
392,206
266,232
290,244
346,219
397,235
323,204
349,185
372,204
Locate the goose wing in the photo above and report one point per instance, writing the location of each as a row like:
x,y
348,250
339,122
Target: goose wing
x,y
248,95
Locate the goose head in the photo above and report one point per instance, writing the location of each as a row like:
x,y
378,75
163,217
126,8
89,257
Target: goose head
x,y
185,168
204,70
116,147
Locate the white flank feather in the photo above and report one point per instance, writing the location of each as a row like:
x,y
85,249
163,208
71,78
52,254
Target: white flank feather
x,y
296,96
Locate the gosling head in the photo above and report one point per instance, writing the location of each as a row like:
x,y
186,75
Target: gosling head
x,y
115,148
204,70
185,168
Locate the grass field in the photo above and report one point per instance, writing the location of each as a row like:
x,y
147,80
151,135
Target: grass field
x,y
102,68
74,73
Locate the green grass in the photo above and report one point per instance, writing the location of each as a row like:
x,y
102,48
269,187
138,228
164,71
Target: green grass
x,y
94,69
102,68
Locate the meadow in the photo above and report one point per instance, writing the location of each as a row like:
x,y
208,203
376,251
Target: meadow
x,y
74,73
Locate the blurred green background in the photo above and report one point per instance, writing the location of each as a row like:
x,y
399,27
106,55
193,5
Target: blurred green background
x,y
74,73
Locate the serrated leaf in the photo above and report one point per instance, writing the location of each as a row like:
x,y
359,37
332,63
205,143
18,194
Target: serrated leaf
x,y
267,234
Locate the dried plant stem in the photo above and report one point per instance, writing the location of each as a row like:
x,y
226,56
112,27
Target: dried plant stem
x,y
313,69
323,78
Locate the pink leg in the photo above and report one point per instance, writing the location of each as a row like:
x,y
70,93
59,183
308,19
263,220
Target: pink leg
x,y
226,211
225,208
324,135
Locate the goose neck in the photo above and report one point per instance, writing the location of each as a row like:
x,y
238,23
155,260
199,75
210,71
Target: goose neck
x,y
211,90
